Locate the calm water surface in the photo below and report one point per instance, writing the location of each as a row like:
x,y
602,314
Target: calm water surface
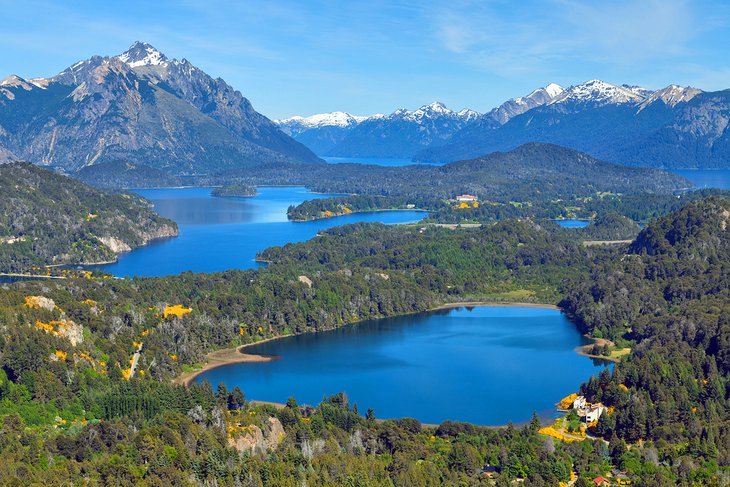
x,y
217,234
707,178
486,365
572,223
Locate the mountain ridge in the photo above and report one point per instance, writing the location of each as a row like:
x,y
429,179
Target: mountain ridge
x,y
141,107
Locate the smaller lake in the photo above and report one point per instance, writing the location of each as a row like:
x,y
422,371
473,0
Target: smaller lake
x,y
707,178
376,161
485,365
218,234
572,223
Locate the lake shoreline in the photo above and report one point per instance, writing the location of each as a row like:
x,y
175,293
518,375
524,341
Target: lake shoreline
x,y
234,355
227,356
357,212
584,350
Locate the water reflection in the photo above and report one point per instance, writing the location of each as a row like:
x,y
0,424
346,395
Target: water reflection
x,y
486,365
217,234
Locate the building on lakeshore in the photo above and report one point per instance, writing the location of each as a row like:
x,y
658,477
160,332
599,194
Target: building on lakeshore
x,y
594,412
591,412
467,198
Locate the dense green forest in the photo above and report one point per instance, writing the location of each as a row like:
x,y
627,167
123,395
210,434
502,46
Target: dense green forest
x,y
73,408
639,207
47,219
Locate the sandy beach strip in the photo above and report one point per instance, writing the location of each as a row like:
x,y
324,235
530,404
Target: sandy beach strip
x,y
226,356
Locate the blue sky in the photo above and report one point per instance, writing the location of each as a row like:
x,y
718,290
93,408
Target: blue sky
x,y
305,57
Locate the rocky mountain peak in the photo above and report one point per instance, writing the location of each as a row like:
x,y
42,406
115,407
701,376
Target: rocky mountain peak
x,y
671,96
517,106
554,89
142,54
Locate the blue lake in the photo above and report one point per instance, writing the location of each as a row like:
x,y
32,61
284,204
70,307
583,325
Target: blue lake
x,y
485,365
572,223
376,161
217,234
707,178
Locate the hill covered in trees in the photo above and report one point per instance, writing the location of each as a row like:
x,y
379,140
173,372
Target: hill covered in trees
x,y
669,297
533,171
49,219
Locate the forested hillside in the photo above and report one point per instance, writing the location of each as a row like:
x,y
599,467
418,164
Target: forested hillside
x,y
530,172
48,219
76,403
670,297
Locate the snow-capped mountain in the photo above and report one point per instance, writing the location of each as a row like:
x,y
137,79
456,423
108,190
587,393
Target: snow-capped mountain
x,y
671,96
672,127
517,106
139,107
320,132
297,124
599,93
468,115
142,54
403,133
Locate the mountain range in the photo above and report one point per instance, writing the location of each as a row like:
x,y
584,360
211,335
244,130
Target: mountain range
x,y
399,135
674,127
403,133
139,114
141,108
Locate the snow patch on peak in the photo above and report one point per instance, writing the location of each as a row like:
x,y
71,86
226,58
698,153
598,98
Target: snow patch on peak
x,y
142,54
334,119
601,93
554,89
468,114
517,106
15,81
435,107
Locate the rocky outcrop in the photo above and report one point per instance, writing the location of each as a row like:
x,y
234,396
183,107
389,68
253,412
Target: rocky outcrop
x,y
257,440
117,246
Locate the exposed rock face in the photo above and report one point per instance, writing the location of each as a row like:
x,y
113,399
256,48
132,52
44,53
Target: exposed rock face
x,y
517,106
117,246
256,440
72,331
40,302
62,327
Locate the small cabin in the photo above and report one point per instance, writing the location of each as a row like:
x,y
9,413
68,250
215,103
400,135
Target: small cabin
x,y
489,470
467,198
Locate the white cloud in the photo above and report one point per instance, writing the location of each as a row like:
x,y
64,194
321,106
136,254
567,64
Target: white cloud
x,y
519,38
